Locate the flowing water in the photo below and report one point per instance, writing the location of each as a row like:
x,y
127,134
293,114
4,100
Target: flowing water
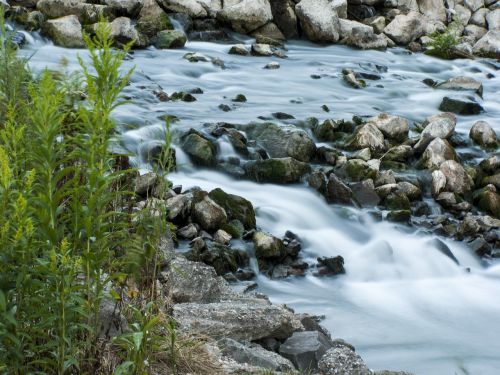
x,y
403,303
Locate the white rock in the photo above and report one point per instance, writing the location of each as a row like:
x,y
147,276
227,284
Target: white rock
x,y
247,16
438,182
433,9
493,20
438,126
479,17
457,180
489,45
319,20
474,5
65,31
404,29
463,14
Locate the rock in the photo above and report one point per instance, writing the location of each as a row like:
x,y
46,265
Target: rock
x,y
65,32
461,107
195,57
350,78
305,349
222,237
457,180
267,246
247,15
199,148
145,184
474,5
433,9
236,207
243,319
277,170
269,34
342,360
364,193
369,136
479,18
193,8
208,214
239,49
366,39
126,8
402,6
488,201
437,126
392,127
86,13
493,19
438,182
462,84
188,281
404,29
398,153
254,355
123,31
152,19
261,49
112,323
285,18
385,177
411,191
462,14
489,45
178,208
347,27
337,191
334,265
473,33
283,141
222,258
188,232
319,20
397,201
170,39
493,180
436,153
483,134
272,65
399,216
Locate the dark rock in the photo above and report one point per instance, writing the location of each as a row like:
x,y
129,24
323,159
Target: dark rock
x,y
278,170
201,150
364,193
337,191
305,349
236,207
334,265
460,107
399,216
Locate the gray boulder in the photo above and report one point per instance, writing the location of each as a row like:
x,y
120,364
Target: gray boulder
x,y
236,207
404,29
438,151
319,20
267,246
277,170
201,150
305,349
483,134
392,127
152,19
65,32
208,214
489,45
342,360
247,15
493,19
368,136
285,18
433,9
462,84
193,8
127,8
457,180
437,126
170,39
337,191
86,13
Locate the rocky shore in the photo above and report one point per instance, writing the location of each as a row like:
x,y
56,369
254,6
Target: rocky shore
x,y
365,24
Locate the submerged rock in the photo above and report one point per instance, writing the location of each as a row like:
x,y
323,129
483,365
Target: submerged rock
x,y
277,170
201,150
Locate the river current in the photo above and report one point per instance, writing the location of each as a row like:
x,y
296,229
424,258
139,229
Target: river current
x,y
403,304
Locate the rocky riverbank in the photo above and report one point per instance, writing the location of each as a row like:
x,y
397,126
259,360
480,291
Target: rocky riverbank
x,y
365,24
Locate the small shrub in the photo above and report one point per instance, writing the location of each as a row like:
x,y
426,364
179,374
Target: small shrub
x,y
443,44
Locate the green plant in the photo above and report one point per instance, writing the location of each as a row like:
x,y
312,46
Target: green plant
x,y
443,44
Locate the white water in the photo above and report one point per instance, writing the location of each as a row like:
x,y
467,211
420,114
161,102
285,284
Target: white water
x,y
402,303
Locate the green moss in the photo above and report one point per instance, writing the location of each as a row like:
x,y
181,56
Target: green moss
x,y
236,207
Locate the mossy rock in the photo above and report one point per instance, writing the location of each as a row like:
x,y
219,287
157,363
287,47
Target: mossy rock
x,y
279,170
168,39
488,201
399,216
236,207
397,201
222,258
235,228
358,170
201,150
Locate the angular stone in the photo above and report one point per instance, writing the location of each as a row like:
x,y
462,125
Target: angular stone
x,y
483,134
404,29
305,349
277,170
342,360
247,15
65,32
319,20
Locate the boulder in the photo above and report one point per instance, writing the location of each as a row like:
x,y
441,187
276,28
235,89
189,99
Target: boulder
x,y
369,136
283,141
170,39
462,14
193,8
179,207
438,183
483,134
404,29
65,32
242,319
152,19
438,151
473,33
201,150
337,191
239,49
493,19
366,39
460,106
473,5
489,45
259,49
433,9
331,265
437,126
125,8
305,349
236,207
457,180
285,18
123,31
319,20
268,246
392,127
277,170
247,15
86,13
364,193
358,170
488,201
479,18
221,257
399,153
347,27
462,83
342,360
254,355
208,214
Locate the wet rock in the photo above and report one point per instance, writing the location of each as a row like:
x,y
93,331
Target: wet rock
x,y
350,78
195,57
189,281
208,214
170,39
436,153
285,18
86,13
385,177
333,265
236,207
404,29
370,136
462,84
201,150
65,32
437,126
126,8
392,127
152,19
267,246
358,170
457,180
305,349
254,355
272,65
243,319
337,191
342,360
493,180
123,31
283,141
239,49
488,201
397,201
178,208
188,232
461,107
145,184
277,170
261,49
483,134
222,258
247,15
222,237
480,246
398,153
319,20
488,45
399,216
365,194
411,191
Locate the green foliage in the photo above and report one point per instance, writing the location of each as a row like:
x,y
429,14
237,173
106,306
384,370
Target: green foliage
x,y
66,227
443,44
